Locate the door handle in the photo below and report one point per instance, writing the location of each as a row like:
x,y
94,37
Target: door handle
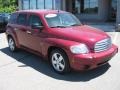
x,y
28,32
15,29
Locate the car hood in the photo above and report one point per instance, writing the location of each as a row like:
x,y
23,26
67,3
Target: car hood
x,y
83,34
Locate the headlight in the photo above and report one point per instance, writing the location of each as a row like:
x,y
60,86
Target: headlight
x,y
79,49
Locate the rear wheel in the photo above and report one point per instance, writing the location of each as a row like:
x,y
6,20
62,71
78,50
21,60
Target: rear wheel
x,y
59,61
11,44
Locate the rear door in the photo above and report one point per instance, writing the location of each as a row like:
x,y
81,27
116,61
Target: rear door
x,y
21,28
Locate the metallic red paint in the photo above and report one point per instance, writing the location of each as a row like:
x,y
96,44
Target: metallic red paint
x,y
40,42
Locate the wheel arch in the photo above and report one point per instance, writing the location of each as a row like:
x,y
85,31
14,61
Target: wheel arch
x,y
67,64
8,36
15,39
53,48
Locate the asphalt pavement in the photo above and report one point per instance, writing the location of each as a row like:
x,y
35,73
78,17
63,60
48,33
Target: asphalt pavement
x,y
25,71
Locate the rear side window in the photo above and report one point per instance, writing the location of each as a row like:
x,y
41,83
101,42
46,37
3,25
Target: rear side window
x,y
13,18
22,19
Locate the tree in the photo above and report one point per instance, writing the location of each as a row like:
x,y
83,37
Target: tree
x,y
8,5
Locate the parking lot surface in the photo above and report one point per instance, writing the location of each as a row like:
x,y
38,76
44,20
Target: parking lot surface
x,y
25,71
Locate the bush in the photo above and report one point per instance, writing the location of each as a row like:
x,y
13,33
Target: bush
x,y
9,9
8,6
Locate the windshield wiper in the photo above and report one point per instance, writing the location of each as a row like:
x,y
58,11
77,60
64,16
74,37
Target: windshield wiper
x,y
58,27
75,25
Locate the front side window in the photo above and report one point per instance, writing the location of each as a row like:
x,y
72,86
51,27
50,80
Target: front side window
x,y
34,20
22,18
62,20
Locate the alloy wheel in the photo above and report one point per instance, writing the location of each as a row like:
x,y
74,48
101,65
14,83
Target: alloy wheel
x,y
11,44
58,62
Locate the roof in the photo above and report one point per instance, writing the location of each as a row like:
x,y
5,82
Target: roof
x,y
45,11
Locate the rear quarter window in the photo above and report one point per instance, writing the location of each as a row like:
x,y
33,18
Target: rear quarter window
x,y
13,18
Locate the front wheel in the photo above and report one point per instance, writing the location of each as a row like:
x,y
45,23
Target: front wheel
x,y
59,61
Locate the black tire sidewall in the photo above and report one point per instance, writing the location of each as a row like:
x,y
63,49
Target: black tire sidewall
x,y
14,44
66,60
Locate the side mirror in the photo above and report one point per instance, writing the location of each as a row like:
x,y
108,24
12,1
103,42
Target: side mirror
x,y
83,23
37,27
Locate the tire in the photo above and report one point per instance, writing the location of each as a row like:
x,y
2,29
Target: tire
x,y
59,61
12,45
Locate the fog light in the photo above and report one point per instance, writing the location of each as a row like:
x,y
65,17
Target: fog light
x,y
86,67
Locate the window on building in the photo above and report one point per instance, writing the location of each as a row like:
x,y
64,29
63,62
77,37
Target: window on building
x,y
86,6
40,4
77,6
57,4
25,4
33,4
113,9
48,4
90,6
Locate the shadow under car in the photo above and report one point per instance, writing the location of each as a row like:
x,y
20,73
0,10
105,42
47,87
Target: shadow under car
x,y
44,67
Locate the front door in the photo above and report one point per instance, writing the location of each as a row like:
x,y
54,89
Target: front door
x,y
34,33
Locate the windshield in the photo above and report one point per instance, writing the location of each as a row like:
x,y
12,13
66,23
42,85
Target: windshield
x,y
62,20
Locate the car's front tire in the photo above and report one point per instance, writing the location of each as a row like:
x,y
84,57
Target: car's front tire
x,y
12,45
59,61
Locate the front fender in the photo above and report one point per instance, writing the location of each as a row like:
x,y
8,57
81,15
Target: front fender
x,y
55,42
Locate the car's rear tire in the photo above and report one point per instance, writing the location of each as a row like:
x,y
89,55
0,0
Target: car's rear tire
x,y
59,61
12,45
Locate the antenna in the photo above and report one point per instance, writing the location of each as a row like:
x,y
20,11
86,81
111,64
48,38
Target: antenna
x,y
58,10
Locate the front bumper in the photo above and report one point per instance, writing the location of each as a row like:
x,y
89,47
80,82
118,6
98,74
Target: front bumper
x,y
92,60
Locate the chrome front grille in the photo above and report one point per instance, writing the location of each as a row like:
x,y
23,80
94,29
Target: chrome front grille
x,y
102,45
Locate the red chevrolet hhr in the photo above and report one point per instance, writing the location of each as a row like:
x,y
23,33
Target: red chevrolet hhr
x,y
59,37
